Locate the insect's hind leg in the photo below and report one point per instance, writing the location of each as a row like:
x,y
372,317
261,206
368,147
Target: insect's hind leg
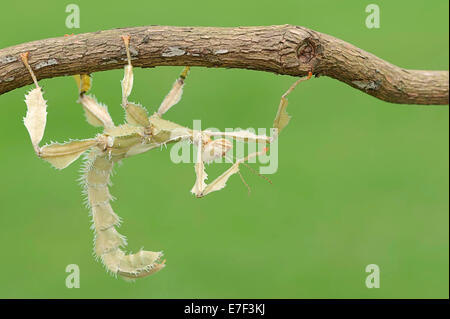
x,y
36,117
59,155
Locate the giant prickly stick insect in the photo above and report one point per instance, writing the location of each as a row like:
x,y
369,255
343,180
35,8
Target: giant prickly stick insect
x,y
138,134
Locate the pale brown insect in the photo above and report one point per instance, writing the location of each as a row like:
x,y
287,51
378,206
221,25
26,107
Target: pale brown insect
x,y
138,134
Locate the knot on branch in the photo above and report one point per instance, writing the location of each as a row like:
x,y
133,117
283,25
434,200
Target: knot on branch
x,y
300,50
306,51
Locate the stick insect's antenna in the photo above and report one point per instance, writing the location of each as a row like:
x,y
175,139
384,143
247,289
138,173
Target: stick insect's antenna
x,y
256,173
243,181
231,159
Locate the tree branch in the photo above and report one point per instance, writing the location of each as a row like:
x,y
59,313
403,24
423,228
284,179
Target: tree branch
x,y
286,49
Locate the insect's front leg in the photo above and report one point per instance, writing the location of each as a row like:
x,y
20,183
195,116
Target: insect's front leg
x,y
221,181
207,151
243,135
200,173
59,155
282,118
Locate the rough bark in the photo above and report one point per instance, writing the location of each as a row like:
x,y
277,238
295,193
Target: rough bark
x,y
285,49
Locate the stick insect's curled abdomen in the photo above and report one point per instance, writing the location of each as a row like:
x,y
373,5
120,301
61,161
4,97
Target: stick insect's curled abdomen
x,y
108,241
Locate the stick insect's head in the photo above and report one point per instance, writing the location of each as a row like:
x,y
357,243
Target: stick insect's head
x,y
214,149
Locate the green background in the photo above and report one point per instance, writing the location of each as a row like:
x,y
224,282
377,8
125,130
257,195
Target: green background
x,y
360,181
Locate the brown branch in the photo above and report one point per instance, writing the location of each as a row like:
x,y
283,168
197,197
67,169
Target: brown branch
x,y
285,49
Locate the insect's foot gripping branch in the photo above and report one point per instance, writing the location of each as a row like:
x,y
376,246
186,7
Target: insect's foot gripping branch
x,y
84,83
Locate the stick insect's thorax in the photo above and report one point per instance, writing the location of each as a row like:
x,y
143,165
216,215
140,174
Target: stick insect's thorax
x,y
126,140
164,131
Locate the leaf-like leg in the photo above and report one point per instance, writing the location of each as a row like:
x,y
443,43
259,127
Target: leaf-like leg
x,y
59,155
207,151
174,95
200,173
62,155
220,182
281,120
282,117
36,117
210,152
127,82
96,113
244,135
135,114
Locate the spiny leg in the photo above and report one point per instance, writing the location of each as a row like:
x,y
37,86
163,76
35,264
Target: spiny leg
x,y
222,146
135,114
207,151
96,113
174,95
243,135
230,159
36,117
282,118
219,182
199,166
200,189
59,155
127,82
